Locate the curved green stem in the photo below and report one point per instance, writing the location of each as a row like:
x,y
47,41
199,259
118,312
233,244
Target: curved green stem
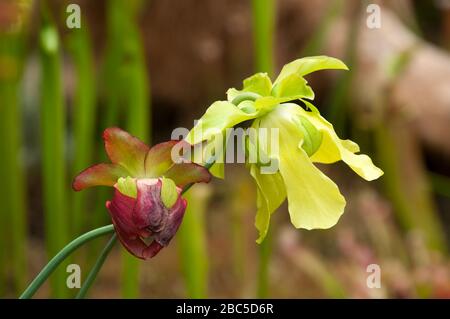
x,y
63,254
97,266
72,246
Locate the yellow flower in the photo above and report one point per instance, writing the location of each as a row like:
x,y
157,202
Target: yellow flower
x,y
304,137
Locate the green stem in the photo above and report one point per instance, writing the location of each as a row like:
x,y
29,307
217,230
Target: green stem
x,y
134,102
84,118
263,12
107,249
52,133
13,225
61,256
97,266
265,251
191,239
72,246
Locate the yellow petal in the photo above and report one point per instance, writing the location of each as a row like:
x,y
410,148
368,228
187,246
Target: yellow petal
x,y
219,116
334,149
314,200
270,195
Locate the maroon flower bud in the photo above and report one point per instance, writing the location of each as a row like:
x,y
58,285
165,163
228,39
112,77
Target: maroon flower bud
x,y
147,207
146,217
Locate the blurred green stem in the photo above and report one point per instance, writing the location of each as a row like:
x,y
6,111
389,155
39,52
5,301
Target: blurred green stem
x,y
61,256
96,268
83,118
265,251
136,100
72,246
263,34
191,239
53,120
12,186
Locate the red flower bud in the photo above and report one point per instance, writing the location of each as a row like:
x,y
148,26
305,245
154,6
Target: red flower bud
x,y
145,217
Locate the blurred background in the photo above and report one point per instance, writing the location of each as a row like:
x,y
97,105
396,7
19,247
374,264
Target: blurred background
x,y
152,66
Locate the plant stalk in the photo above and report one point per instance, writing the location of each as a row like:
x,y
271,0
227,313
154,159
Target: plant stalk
x,y
61,256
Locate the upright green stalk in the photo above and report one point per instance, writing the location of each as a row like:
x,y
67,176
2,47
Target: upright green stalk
x,y
96,268
132,89
62,255
240,205
84,117
263,37
263,34
12,189
191,238
111,77
53,119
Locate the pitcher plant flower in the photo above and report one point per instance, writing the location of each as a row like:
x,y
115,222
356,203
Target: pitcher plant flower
x,y
147,207
305,138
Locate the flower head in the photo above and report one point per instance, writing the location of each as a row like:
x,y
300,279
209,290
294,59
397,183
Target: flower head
x,y
305,137
147,207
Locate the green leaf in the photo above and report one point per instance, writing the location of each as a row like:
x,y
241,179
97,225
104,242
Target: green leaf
x,y
308,65
293,86
127,186
169,193
259,83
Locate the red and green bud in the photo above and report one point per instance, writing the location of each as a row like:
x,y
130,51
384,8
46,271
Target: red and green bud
x,y
147,207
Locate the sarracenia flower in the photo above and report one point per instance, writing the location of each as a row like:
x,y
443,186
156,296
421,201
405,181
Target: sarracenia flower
x,y
304,137
147,207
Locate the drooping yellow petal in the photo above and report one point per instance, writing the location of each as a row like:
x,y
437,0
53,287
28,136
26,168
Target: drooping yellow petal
x,y
334,149
270,195
314,200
